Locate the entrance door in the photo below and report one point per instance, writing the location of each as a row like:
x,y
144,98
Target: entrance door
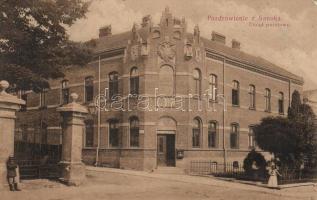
x,y
166,150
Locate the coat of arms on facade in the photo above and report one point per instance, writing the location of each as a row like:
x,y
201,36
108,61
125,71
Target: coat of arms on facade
x,y
166,51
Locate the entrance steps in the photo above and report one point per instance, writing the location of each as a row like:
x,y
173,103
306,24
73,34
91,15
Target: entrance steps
x,y
169,170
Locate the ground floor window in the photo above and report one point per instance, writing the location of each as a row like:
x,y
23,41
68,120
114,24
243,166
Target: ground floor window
x,y
113,133
234,136
134,132
89,134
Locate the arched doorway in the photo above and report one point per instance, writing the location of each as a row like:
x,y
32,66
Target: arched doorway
x,y
166,129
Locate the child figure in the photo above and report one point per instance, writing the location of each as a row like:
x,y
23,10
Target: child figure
x,y
273,172
11,174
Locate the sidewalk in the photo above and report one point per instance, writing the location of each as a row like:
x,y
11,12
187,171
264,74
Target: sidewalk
x,y
306,191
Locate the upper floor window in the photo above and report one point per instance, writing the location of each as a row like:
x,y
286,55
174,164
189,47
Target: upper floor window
x,y
235,93
43,98
113,133
267,100
252,96
134,132
213,87
134,81
197,82
196,132
281,103
65,92
89,89
212,134
251,139
113,84
234,136
89,133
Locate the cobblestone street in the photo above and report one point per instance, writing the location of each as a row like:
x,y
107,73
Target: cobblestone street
x,y
124,184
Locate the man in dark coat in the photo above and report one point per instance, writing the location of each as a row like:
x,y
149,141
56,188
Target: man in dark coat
x,y
11,174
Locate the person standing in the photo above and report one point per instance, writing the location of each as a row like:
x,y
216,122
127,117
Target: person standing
x,y
11,174
273,173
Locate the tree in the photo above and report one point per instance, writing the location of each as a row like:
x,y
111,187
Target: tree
x,y
254,165
291,139
34,45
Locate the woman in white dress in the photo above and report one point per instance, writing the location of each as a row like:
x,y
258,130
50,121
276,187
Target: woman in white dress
x,y
273,172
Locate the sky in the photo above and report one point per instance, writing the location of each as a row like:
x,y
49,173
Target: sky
x,y
293,47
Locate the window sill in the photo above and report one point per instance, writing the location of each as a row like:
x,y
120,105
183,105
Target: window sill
x,y
281,113
237,106
252,108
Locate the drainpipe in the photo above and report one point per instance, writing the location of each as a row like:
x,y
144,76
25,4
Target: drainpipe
x,y
98,129
223,119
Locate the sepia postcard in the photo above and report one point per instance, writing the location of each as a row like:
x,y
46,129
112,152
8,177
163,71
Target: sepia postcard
x,y
168,99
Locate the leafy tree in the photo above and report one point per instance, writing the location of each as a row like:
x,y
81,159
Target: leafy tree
x,y
34,45
255,165
291,139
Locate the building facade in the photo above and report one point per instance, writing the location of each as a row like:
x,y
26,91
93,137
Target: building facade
x,y
167,96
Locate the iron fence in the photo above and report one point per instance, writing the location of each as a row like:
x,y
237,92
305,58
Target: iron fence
x,y
235,170
202,167
32,169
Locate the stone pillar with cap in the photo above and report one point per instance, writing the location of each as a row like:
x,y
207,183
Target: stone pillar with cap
x,y
9,104
73,115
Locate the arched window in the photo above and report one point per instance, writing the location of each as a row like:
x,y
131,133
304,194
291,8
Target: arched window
x,y
89,88
252,96
134,132
234,136
212,134
65,92
235,93
196,132
213,87
134,81
281,103
113,133
89,133
267,100
113,84
197,80
166,80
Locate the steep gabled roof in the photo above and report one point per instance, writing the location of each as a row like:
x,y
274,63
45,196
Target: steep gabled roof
x,y
121,40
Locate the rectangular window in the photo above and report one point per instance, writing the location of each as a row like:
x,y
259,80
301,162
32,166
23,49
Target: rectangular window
x,y
251,138
89,134
212,132
252,96
267,100
234,137
213,87
43,98
113,134
281,103
89,89
113,85
235,93
196,142
134,85
65,92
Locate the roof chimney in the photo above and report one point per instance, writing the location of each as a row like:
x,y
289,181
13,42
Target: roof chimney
x,y
235,44
218,37
105,31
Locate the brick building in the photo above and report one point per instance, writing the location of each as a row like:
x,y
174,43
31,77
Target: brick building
x,y
170,96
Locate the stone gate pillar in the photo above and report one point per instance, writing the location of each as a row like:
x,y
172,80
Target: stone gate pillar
x,y
9,104
73,115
